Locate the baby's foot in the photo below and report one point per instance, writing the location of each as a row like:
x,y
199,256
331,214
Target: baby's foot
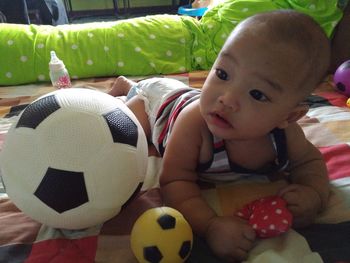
x,y
121,86
201,3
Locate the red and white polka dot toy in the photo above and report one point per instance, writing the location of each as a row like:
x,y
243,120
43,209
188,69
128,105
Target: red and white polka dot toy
x,y
268,216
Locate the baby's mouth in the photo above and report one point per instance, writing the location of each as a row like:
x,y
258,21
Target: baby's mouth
x,y
220,121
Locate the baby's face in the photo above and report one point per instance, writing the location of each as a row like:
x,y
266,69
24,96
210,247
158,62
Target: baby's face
x,y
252,87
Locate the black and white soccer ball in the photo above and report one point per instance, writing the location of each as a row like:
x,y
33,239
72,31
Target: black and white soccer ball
x,y
73,158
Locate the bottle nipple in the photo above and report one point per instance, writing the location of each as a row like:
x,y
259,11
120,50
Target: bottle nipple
x,y
55,63
54,58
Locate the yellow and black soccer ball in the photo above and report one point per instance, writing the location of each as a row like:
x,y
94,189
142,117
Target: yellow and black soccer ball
x,y
161,235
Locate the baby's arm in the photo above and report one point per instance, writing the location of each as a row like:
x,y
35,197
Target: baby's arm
x,y
229,237
308,194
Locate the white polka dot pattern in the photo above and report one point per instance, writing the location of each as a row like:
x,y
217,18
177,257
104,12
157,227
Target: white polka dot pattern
x,y
268,216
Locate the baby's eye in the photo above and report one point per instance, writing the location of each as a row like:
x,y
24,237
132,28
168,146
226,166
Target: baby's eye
x,y
221,74
258,95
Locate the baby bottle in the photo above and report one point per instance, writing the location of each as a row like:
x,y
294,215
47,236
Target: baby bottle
x,y
58,73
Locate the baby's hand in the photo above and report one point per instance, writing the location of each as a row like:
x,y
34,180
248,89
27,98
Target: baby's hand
x,y
230,238
303,202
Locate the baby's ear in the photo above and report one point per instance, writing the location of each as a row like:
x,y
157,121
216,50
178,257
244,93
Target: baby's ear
x,y
298,112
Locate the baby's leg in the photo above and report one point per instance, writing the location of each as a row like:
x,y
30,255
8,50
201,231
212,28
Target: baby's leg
x,y
137,106
121,86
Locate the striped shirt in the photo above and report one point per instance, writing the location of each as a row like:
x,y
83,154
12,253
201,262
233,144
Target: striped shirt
x,y
170,110
220,168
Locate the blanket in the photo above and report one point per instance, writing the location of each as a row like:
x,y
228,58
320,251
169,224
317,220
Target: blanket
x,y
327,125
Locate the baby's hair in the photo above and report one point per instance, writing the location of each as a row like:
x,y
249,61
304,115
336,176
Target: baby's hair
x,y
299,31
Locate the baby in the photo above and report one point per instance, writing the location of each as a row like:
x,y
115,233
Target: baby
x,y
241,124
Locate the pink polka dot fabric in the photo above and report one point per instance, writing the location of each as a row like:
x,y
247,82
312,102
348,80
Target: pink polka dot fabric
x,y
268,216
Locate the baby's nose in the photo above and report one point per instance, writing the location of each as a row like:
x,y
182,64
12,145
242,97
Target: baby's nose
x,y
229,101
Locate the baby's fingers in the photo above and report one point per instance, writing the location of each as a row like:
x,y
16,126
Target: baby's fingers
x,y
292,198
290,188
249,233
241,252
245,244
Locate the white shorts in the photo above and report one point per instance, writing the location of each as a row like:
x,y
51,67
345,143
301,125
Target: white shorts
x,y
154,92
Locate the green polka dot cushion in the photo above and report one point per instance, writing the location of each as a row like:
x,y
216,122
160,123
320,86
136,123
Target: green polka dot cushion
x,y
159,44
140,46
218,22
